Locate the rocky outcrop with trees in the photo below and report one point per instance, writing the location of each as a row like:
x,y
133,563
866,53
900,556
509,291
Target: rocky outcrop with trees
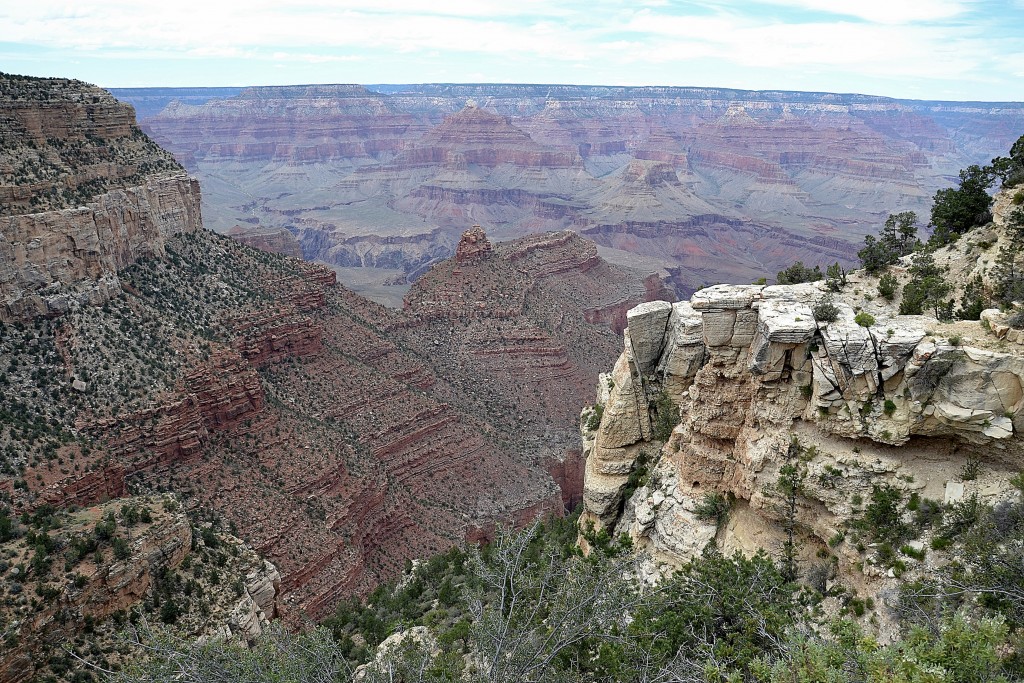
x,y
822,421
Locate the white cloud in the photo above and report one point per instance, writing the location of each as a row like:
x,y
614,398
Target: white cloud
x,y
198,25
870,49
547,39
882,11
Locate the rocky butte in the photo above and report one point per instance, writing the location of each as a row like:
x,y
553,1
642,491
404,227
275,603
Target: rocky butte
x,y
716,402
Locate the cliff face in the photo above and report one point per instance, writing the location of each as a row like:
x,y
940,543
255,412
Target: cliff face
x,y
906,402
64,142
53,260
83,194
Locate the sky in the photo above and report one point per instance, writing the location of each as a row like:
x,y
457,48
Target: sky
x,y
920,49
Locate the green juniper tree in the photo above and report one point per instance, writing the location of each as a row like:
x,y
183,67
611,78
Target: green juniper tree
x,y
958,209
897,238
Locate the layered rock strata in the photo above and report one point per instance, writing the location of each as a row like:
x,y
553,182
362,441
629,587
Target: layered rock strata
x,y
340,438
718,185
83,194
54,260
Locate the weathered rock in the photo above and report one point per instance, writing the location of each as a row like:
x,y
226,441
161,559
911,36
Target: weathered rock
x,y
474,246
646,332
685,351
50,259
850,353
782,326
627,420
729,297
751,369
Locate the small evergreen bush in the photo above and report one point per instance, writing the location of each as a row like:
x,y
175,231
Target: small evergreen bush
x,y
864,319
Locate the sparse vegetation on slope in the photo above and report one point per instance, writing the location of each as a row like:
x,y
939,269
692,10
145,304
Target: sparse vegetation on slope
x,y
530,608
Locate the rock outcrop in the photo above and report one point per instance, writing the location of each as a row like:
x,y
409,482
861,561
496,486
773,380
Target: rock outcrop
x,y
474,246
90,589
54,260
279,241
743,370
83,194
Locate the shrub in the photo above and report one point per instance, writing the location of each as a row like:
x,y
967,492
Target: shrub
x,y
887,286
826,311
889,408
957,210
169,611
593,419
667,416
970,469
1016,320
798,273
121,549
927,513
864,319
883,516
975,299
713,507
6,527
960,517
638,475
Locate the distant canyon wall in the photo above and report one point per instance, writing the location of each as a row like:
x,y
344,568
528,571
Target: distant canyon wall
x,y
708,184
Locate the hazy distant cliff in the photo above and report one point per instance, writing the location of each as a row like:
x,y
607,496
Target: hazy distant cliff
x,y
709,184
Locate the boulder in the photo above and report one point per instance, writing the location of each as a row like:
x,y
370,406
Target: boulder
x,y
719,325
781,327
851,355
895,345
